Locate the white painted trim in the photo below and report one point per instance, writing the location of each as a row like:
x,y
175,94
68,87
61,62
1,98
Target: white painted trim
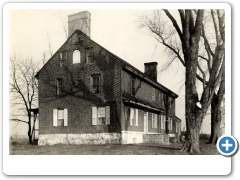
x,y
140,132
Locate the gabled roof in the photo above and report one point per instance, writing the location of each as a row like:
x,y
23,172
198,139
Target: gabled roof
x,y
125,66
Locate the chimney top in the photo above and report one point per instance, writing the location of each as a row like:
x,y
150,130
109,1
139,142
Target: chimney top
x,y
81,21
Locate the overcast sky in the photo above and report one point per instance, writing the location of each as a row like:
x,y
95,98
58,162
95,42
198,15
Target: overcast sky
x,y
116,30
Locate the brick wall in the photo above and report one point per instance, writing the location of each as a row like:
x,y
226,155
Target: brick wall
x,y
144,91
79,99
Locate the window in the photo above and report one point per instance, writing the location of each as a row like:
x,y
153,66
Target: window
x,y
133,117
176,127
163,118
76,57
170,124
101,115
89,55
59,86
161,98
170,102
133,87
153,94
63,58
95,84
154,120
60,117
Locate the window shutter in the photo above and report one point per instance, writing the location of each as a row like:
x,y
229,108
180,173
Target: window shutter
x,y
54,117
155,121
107,115
94,115
65,117
91,84
136,117
131,116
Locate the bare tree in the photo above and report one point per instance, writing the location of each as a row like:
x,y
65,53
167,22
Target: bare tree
x,y
24,91
183,43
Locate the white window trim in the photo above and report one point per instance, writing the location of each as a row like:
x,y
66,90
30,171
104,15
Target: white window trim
x,y
55,117
95,115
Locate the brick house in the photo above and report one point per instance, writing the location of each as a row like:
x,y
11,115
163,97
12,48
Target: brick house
x,y
89,95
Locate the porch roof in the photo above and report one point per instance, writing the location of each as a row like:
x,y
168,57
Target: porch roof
x,y
141,104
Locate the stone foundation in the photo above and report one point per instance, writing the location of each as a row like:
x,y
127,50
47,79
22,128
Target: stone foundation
x,y
96,138
156,138
132,137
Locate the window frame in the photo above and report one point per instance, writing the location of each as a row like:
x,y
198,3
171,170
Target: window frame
x,y
87,55
106,116
79,60
63,56
99,85
59,89
153,94
64,121
163,121
133,119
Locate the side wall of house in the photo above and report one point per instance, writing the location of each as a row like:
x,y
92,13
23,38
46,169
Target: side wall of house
x,y
144,91
77,97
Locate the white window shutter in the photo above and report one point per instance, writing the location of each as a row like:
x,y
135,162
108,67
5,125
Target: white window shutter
x,y
152,120
107,115
155,120
65,117
54,117
94,115
136,117
131,116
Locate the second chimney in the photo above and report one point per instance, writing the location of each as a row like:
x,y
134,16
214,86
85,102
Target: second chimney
x,y
81,21
151,70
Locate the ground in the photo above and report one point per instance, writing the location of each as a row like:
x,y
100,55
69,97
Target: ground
x,y
20,148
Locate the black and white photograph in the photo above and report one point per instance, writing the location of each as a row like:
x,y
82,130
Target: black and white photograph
x,y
95,81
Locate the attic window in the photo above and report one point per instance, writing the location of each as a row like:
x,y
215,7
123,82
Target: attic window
x,y
89,55
76,56
63,58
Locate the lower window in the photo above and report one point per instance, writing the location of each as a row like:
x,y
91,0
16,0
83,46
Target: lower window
x,y
60,117
101,115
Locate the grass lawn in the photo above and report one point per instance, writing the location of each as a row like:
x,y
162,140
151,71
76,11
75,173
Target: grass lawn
x,y
107,149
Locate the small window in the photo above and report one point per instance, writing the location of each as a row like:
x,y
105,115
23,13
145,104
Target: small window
x,y
95,84
132,87
163,122
154,120
89,55
153,94
59,87
170,102
60,117
101,115
170,124
63,58
76,57
133,117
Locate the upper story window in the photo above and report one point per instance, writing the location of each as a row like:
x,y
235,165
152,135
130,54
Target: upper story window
x,y
95,84
170,101
89,55
63,58
153,94
132,87
76,56
59,86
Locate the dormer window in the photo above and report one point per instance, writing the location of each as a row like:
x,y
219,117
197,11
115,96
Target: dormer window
x,y
76,56
89,55
63,58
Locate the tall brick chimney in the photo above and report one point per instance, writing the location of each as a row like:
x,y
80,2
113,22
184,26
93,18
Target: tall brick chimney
x,y
151,70
81,21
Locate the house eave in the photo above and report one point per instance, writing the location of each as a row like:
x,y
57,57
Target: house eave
x,y
142,106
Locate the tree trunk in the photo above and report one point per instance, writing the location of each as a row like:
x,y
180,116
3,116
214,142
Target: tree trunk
x,y
29,128
216,116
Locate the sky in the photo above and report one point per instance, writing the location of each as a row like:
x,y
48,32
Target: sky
x,y
116,30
